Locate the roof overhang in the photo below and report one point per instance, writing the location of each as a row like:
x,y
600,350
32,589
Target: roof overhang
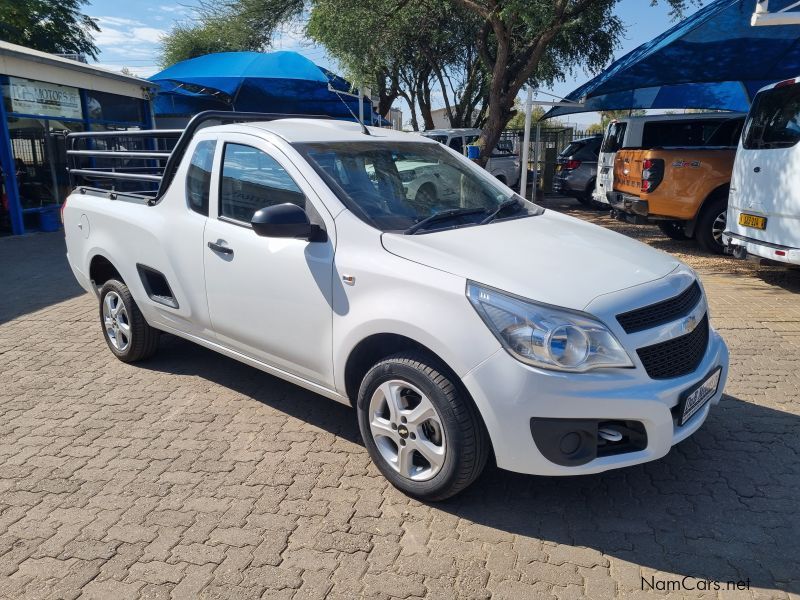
x,y
19,61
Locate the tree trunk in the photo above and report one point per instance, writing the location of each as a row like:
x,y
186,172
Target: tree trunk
x,y
412,106
424,99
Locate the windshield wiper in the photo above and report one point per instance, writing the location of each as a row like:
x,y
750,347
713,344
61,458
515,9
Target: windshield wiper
x,y
442,216
503,205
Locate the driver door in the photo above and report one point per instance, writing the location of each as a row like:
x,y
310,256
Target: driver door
x,y
268,298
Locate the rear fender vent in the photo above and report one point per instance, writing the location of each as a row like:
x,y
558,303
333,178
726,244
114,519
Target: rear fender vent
x,y
156,286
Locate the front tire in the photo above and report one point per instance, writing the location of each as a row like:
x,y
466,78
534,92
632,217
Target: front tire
x,y
420,430
711,224
127,333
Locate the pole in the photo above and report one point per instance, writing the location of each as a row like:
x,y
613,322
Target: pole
x,y
526,140
360,105
536,159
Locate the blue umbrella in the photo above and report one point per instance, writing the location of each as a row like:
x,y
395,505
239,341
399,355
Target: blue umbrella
x,y
713,59
279,82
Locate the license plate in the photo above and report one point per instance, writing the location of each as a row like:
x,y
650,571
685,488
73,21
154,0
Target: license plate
x,y
753,221
696,397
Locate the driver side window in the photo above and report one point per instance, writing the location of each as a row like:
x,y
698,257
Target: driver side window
x,y
252,180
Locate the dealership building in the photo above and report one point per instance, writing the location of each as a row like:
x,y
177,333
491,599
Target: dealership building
x,y
46,97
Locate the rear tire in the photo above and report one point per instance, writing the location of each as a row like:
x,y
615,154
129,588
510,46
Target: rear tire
x,y
127,333
674,230
420,430
585,199
711,224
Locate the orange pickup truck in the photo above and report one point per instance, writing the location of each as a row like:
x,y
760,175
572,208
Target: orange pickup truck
x,y
683,190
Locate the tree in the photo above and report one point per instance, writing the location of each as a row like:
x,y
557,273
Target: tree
x,y
213,35
402,44
413,49
56,26
537,41
227,26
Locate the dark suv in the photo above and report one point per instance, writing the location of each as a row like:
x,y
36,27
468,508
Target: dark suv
x,y
576,169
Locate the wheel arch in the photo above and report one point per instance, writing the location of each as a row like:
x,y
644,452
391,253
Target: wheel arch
x,y
377,346
721,190
101,269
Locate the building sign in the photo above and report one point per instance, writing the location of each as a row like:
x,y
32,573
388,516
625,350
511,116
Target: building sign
x,y
47,99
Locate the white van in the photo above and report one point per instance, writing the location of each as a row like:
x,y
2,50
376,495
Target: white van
x,y
764,202
633,132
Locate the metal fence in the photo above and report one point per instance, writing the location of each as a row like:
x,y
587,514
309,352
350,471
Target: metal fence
x,y
545,144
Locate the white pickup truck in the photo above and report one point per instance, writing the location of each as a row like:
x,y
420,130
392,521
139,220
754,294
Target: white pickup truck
x,y
459,328
504,164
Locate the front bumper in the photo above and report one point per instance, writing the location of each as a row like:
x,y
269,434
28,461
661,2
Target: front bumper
x,y
744,247
509,394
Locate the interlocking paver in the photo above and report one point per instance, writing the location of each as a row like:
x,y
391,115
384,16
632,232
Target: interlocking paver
x,y
193,476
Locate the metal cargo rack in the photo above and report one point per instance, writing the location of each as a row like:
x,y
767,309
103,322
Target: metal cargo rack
x,y
142,162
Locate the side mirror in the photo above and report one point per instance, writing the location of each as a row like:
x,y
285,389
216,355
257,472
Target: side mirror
x,y
286,221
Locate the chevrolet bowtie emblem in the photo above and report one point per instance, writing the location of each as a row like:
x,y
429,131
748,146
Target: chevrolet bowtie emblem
x,y
689,324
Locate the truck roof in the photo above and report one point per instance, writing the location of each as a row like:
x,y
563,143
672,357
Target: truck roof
x,y
682,117
453,131
320,130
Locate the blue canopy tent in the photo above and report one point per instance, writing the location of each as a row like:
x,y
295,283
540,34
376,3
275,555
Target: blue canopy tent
x,y
713,59
279,82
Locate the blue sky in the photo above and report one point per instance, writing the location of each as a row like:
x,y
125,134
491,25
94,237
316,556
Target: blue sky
x,y
131,32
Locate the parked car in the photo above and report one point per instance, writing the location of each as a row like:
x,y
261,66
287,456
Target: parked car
x,y
576,169
504,164
483,325
764,206
681,182
641,133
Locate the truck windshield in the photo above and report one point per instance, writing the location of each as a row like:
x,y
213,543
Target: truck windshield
x,y
395,186
774,120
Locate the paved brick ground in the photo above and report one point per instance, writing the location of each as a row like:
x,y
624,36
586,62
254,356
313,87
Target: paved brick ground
x,y
195,476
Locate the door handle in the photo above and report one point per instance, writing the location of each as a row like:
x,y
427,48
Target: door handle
x,y
219,248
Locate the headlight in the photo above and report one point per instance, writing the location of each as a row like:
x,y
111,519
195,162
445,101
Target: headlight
x,y
545,336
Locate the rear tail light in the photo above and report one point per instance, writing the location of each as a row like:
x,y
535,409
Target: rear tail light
x,y
61,210
652,174
785,83
572,164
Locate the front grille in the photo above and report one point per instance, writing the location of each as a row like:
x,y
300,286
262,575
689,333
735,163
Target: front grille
x,y
661,312
678,356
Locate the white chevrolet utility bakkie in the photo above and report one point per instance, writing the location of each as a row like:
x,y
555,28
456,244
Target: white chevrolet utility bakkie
x,y
461,326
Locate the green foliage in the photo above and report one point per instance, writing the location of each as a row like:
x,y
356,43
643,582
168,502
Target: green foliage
x,y
518,120
228,26
476,53
405,50
56,26
595,128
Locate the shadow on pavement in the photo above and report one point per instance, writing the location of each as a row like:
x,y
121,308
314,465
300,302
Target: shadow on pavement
x,y
721,506
34,274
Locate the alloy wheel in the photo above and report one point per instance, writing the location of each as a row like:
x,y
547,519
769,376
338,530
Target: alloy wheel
x,y
718,227
407,430
116,321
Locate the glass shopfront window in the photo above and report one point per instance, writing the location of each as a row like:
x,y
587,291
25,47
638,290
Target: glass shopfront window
x,y
105,107
39,115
